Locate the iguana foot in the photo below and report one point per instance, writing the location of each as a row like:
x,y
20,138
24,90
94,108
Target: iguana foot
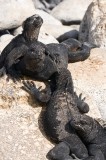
x,y
30,87
81,104
41,95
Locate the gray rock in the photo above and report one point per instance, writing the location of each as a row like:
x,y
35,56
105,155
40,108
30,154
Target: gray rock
x,y
46,38
17,31
70,12
92,28
46,5
58,30
13,13
47,18
39,5
4,40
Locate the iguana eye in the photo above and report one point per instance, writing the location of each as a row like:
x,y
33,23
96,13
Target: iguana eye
x,y
83,122
32,50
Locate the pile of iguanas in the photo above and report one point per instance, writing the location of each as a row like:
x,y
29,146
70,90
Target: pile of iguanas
x,y
65,122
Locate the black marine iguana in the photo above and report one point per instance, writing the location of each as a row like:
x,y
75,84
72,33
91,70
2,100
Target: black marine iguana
x,y
18,47
92,134
18,54
57,116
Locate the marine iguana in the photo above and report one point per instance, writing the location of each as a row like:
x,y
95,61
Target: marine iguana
x,y
13,57
57,116
92,134
18,47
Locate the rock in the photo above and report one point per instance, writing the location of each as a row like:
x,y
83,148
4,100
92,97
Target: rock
x,y
58,30
17,31
93,26
13,13
90,77
46,38
4,40
20,137
47,18
39,5
70,12
46,5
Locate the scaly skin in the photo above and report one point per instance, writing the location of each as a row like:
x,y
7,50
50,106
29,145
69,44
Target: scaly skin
x,y
57,116
92,134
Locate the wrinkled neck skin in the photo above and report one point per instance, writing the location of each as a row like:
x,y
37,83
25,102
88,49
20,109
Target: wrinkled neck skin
x,y
31,34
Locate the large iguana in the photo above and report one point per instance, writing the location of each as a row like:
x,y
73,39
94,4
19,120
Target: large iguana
x,y
56,119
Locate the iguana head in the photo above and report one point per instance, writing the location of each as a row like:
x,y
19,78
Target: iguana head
x,y
35,57
83,125
33,21
31,27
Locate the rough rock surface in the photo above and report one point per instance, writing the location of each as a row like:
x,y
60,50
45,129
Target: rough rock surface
x,y
20,134
90,77
13,13
70,11
93,26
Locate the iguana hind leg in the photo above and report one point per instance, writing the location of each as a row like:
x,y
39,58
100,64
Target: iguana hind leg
x,y
60,152
69,145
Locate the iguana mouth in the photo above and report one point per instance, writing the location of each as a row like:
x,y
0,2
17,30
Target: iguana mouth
x,y
77,125
37,20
